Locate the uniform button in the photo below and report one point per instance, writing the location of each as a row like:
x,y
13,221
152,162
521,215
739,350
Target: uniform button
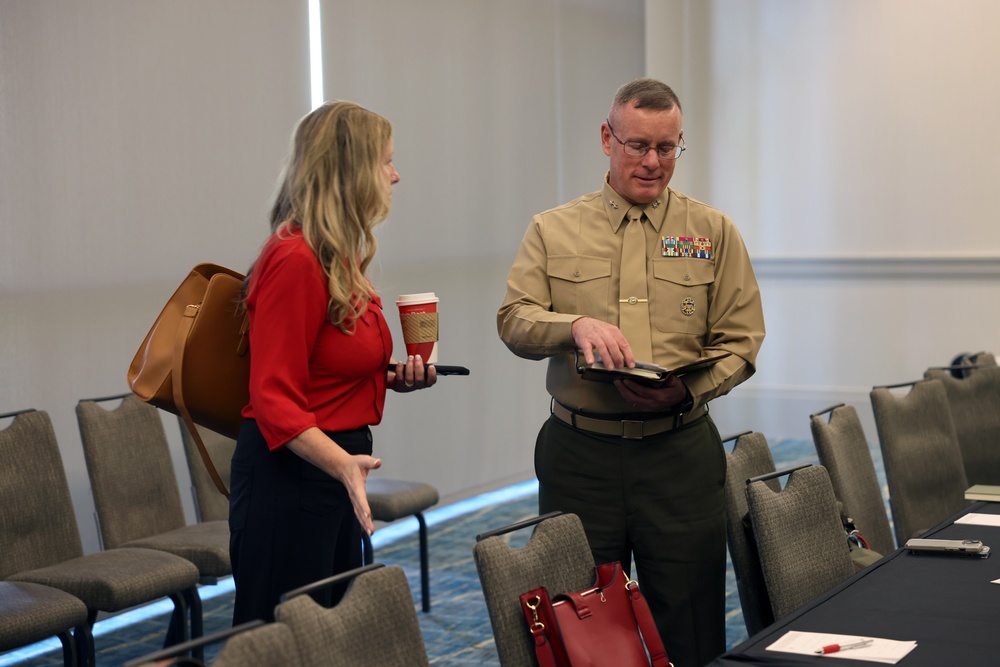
x,y
687,278
576,274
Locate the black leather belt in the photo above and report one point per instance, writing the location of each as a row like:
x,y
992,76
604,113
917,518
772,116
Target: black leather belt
x,y
629,429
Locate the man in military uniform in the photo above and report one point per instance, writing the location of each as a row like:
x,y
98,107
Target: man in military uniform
x,y
637,272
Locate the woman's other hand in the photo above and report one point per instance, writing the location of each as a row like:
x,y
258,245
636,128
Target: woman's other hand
x,y
355,476
351,470
411,375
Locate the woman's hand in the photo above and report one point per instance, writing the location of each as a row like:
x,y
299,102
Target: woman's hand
x,y
351,470
354,475
411,375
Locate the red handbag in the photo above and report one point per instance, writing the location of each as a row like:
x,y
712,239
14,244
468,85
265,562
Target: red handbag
x,y
607,624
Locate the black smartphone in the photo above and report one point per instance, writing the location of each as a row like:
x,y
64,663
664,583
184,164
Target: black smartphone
x,y
441,369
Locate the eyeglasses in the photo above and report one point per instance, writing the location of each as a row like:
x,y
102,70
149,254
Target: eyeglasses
x,y
639,149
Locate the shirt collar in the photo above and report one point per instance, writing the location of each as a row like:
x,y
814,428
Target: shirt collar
x,y
617,207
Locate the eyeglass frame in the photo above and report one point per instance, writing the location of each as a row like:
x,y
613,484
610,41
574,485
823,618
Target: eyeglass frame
x,y
679,148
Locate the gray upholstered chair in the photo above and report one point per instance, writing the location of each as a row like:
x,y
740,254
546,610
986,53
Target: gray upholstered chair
x,y
374,624
270,645
923,463
967,362
843,451
253,644
556,556
801,540
750,457
30,613
42,545
210,503
394,499
135,490
974,401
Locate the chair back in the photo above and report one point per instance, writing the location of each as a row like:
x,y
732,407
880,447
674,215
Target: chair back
x,y
557,556
130,469
974,401
210,504
374,624
270,645
750,457
967,362
252,644
923,464
37,523
843,451
801,540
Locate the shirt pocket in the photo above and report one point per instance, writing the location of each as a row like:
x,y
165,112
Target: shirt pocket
x,y
680,294
580,285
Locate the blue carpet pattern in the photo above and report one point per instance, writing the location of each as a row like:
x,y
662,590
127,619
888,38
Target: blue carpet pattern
x,y
456,631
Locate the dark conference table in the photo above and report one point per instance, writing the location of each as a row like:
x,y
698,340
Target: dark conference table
x,y
944,602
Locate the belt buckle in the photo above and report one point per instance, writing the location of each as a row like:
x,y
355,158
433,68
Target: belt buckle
x,y
631,429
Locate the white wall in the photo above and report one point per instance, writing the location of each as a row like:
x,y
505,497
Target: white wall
x,y
855,144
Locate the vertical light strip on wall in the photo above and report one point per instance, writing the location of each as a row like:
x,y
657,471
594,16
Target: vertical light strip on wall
x,y
315,54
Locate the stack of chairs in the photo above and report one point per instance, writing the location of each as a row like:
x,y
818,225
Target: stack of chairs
x,y
43,551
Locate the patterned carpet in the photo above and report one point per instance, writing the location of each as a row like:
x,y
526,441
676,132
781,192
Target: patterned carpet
x,y
456,631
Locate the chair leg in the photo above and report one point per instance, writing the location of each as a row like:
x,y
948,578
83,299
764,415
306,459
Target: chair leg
x,y
177,632
366,548
69,648
83,638
425,584
197,625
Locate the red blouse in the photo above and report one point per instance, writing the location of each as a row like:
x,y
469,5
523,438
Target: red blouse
x,y
304,371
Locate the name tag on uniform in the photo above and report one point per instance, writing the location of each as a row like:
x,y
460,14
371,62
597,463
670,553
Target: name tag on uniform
x,y
686,246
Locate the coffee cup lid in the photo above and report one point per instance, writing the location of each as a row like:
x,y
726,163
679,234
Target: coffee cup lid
x,y
423,297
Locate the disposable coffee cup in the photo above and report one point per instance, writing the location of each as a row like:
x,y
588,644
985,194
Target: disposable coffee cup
x,y
418,314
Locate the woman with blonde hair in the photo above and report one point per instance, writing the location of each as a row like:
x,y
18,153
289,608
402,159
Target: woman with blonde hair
x,y
320,346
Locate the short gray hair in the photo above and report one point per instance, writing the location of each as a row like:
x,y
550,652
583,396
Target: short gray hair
x,y
647,94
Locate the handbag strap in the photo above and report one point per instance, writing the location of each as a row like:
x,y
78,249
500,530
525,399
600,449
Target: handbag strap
x,y
647,627
176,379
543,649
538,612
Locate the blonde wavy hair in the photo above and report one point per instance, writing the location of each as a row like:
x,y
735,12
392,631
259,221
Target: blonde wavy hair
x,y
334,188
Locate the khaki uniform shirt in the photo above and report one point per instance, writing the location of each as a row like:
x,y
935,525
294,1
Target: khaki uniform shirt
x,y
568,266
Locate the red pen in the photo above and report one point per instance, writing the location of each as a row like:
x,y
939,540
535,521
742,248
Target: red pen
x,y
833,648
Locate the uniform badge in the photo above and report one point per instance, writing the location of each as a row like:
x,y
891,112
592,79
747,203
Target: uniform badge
x,y
687,306
698,247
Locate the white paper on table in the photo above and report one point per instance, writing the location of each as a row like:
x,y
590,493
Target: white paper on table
x,y
995,581
886,651
980,519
